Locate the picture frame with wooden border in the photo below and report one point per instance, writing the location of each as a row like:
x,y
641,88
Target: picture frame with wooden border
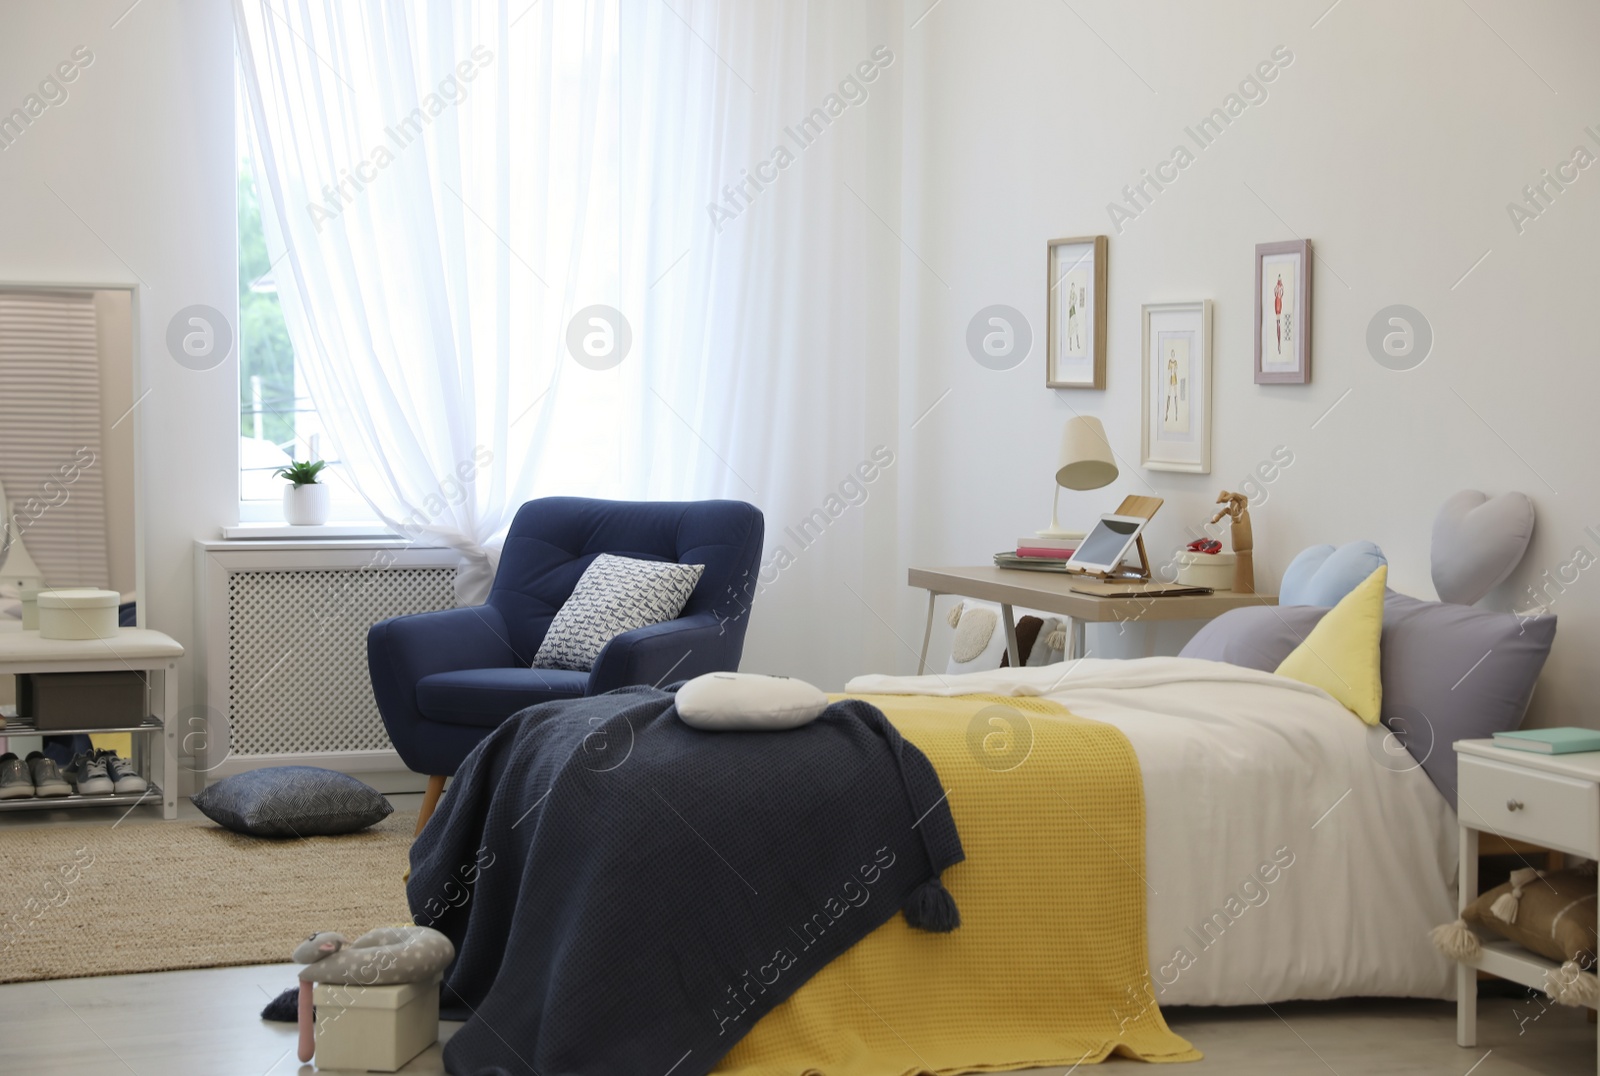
x,y
1276,326
1175,425
1075,313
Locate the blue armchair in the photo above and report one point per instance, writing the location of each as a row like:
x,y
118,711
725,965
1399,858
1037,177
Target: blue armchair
x,y
445,680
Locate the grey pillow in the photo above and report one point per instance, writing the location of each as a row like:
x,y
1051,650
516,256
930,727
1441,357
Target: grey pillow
x,y
292,801
1455,672
1257,636
1450,672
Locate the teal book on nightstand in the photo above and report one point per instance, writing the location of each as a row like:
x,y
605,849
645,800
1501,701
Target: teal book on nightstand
x,y
1562,741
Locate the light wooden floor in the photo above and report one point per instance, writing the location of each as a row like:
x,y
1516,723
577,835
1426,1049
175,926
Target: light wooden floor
x,y
206,1023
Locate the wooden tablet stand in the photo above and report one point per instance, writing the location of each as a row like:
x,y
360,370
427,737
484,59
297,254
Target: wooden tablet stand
x,y
1144,508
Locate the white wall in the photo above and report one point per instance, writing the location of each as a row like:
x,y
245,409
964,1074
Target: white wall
x,y
1393,141
129,180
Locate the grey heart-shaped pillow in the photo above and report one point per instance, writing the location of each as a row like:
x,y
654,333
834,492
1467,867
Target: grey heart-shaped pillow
x,y
1478,541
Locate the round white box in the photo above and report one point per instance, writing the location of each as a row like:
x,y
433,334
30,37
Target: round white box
x,y
1214,570
78,614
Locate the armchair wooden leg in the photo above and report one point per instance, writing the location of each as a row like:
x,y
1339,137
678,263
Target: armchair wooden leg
x,y
430,800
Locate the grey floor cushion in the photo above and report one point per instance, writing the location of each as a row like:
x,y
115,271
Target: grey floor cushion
x,y
292,801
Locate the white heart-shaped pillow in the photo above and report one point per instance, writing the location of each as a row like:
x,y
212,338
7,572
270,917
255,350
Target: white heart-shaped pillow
x,y
725,701
1478,541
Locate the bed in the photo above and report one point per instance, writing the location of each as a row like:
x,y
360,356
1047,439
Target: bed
x,y
1242,768
1177,832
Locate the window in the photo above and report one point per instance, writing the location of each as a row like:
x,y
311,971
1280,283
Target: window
x,y
278,422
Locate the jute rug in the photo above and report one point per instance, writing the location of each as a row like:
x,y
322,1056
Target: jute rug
x,y
77,901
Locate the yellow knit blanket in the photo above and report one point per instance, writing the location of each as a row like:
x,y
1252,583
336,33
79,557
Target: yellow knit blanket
x,y
1049,966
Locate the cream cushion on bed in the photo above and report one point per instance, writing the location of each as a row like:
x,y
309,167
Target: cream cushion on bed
x,y
722,701
1341,655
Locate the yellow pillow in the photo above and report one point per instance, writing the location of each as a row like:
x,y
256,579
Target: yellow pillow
x,y
1341,655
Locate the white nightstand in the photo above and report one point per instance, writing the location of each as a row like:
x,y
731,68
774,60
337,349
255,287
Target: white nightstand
x,y
1550,800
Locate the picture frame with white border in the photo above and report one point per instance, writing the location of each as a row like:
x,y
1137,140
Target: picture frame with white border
x,y
1175,424
1075,313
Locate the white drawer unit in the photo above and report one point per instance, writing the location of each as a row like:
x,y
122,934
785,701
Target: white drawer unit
x,y
1514,801
1550,800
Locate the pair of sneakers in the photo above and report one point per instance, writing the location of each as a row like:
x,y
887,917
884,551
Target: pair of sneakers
x,y
100,773
37,775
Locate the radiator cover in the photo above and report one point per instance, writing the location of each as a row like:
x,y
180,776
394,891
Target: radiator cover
x,y
284,638
297,654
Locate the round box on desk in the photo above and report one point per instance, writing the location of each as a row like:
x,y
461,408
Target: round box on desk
x,y
1214,570
78,614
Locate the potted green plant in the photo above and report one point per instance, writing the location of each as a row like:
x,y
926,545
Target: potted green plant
x,y
305,500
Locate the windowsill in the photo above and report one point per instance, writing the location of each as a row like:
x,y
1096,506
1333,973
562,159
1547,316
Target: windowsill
x,y
257,531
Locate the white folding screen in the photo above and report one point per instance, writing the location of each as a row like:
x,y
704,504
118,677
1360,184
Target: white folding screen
x,y
50,452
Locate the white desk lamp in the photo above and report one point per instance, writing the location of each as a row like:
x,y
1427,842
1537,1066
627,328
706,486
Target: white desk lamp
x,y
1085,463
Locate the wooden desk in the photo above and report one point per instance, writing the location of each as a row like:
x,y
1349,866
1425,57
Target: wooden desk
x,y
1052,593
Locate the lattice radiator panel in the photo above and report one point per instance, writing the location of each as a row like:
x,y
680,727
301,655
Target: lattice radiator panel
x,y
297,654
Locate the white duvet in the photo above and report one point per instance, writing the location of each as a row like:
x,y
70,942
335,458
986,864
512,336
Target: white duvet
x,y
1291,851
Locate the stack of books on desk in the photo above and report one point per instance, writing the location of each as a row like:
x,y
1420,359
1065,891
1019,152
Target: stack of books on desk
x,y
1036,548
1033,552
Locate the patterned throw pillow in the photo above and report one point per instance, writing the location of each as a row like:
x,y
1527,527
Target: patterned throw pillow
x,y
292,801
616,594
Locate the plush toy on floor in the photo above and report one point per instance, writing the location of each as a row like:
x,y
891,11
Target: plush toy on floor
x,y
380,996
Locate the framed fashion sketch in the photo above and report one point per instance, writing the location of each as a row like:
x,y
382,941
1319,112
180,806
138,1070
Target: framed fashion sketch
x,y
1177,387
1075,314
1283,313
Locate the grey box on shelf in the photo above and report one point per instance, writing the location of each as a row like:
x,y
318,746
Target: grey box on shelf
x,y
91,700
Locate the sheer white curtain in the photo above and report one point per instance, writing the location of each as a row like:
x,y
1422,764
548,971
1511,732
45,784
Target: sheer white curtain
x,y
439,272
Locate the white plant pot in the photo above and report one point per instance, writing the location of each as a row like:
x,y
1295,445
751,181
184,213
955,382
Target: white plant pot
x,y
307,505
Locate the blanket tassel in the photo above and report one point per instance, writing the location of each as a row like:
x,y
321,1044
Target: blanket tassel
x,y
931,907
285,1008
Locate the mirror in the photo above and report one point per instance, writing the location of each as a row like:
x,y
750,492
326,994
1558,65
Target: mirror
x,y
67,446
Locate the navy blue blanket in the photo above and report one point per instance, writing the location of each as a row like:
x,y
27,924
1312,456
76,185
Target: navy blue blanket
x,y
628,895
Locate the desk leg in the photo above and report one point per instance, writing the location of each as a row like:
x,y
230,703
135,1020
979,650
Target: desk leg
x,y
1078,639
169,741
1011,636
927,634
1466,974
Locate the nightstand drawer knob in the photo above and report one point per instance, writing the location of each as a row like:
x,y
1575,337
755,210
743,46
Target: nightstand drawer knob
x,y
1513,805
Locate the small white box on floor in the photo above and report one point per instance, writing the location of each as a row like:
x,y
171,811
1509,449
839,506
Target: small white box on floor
x,y
375,1028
